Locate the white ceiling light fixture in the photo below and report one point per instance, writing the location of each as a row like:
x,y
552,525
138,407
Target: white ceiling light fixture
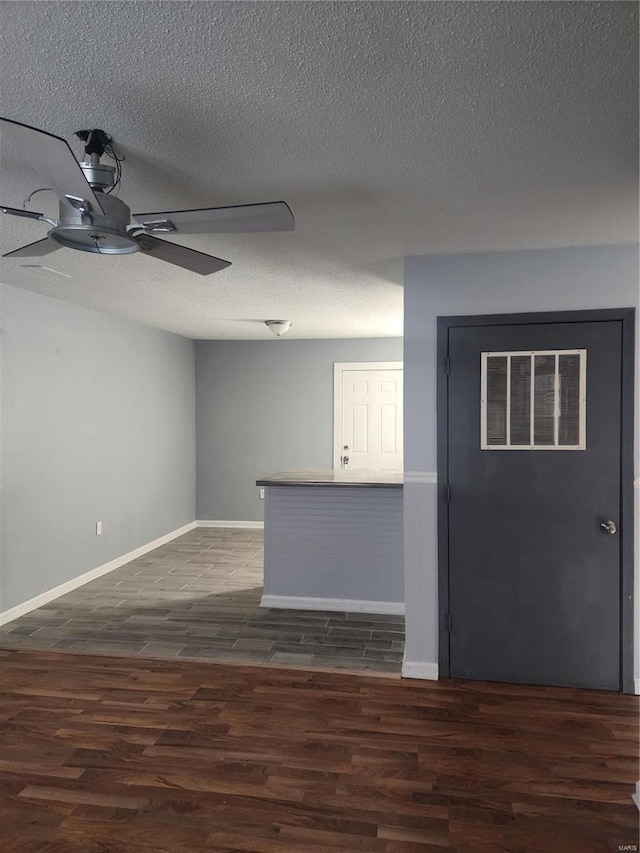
x,y
278,327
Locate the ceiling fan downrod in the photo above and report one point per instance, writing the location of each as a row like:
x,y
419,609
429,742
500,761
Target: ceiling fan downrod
x,y
98,175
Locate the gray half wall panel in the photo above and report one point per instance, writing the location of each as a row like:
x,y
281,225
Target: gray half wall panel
x,y
334,543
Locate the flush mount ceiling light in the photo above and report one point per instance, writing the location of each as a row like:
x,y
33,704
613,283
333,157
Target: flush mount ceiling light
x,y
278,327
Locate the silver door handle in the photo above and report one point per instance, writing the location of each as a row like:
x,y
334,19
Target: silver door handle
x,y
609,526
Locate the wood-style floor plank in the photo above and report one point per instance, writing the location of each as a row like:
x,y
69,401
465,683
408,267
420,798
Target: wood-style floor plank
x,y
106,755
198,598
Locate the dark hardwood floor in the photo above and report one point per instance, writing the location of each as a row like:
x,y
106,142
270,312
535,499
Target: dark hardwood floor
x,y
101,754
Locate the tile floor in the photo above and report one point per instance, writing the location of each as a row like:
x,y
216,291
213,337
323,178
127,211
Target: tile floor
x,y
198,598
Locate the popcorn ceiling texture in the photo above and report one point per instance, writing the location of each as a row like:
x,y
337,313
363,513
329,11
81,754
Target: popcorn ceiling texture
x,y
391,128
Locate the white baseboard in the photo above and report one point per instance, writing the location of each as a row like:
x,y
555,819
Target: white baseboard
x,y
418,669
81,580
247,525
349,605
636,686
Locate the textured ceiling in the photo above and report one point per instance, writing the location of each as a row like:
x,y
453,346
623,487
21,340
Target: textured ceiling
x,y
391,128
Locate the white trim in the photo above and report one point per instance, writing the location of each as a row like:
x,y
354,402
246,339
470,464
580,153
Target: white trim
x,y
636,797
428,477
81,580
338,368
534,447
348,605
367,365
419,669
636,686
242,525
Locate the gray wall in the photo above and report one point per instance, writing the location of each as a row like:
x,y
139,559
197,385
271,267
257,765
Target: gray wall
x,y
98,423
492,283
264,406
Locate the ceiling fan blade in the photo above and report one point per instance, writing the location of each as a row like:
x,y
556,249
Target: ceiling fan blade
x,y
15,211
239,219
52,159
189,259
34,250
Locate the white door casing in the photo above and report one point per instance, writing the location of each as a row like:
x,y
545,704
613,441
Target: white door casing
x,y
368,415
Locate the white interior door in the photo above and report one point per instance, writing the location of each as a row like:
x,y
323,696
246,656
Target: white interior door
x,y
368,416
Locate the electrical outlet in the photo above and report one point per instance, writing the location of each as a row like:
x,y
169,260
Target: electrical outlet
x,y
261,494
98,528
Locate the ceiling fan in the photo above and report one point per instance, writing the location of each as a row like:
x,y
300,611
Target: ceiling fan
x,y
94,220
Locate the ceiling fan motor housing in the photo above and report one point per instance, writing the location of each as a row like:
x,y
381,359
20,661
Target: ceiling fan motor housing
x,y
99,175
102,234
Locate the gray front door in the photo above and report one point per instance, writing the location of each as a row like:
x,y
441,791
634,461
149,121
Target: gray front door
x,y
534,472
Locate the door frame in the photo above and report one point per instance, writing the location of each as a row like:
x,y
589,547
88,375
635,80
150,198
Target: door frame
x,y
627,318
338,370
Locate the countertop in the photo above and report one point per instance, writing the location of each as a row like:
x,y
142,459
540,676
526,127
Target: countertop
x,y
319,477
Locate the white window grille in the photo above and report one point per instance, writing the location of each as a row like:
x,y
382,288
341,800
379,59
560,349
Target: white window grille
x,y
534,400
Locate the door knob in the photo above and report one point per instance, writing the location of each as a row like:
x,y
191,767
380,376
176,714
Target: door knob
x,y
609,526
344,460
